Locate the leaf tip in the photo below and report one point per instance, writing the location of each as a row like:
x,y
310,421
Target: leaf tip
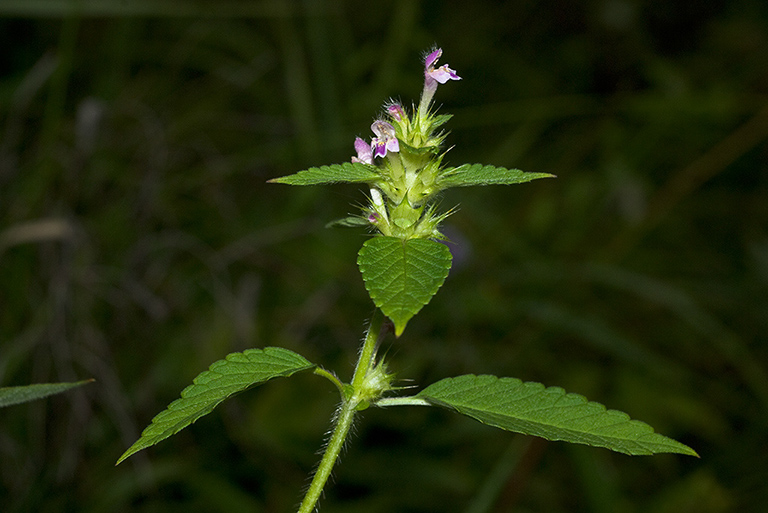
x,y
127,454
687,451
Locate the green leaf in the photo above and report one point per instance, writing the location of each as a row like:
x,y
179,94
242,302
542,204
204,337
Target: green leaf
x,y
349,222
550,413
335,173
23,394
423,150
478,174
402,275
440,120
224,378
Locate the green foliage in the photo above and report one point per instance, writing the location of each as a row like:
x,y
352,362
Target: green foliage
x,y
26,393
224,378
158,135
550,413
335,173
402,275
479,174
441,119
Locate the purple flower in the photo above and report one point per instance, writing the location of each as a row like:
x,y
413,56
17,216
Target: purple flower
x,y
432,77
364,152
442,74
385,139
396,111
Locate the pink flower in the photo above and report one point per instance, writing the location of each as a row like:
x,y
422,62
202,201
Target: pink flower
x,y
385,139
433,76
442,74
364,152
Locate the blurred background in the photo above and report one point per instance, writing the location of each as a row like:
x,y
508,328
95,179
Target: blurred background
x,y
139,243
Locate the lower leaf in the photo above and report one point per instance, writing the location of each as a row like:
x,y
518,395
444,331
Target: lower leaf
x,y
550,413
224,378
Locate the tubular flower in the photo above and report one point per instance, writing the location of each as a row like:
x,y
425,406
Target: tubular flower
x,y
442,74
364,152
385,139
433,76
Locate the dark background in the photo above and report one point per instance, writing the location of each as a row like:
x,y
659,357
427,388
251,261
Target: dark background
x,y
139,243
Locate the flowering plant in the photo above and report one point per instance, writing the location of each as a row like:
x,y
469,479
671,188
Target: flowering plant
x,y
403,265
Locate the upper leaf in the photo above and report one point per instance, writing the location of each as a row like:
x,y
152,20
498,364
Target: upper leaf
x,y
235,373
402,275
479,174
335,173
26,393
550,413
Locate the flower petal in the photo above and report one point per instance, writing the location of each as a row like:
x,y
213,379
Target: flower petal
x,y
385,140
432,58
364,151
443,74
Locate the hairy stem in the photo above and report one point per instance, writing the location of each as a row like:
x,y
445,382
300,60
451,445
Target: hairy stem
x,y
345,416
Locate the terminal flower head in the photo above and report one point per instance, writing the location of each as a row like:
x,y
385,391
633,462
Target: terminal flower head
x,y
364,152
385,139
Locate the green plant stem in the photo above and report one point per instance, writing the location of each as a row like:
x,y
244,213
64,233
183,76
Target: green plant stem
x,y
368,351
345,416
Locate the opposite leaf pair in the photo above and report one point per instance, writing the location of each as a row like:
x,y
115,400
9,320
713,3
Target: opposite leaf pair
x,y
506,403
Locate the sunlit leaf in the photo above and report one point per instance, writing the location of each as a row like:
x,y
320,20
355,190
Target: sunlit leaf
x,y
237,372
335,173
479,174
402,275
551,413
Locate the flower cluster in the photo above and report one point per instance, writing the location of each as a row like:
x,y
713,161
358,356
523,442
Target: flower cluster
x,y
406,152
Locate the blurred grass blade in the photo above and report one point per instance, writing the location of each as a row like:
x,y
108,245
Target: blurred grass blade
x,y
24,394
551,413
171,8
224,378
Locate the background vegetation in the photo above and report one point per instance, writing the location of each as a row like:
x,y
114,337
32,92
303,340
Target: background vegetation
x,y
139,243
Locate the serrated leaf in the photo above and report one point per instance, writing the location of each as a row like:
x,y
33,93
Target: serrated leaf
x,y
224,378
402,275
335,173
479,174
26,393
550,413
